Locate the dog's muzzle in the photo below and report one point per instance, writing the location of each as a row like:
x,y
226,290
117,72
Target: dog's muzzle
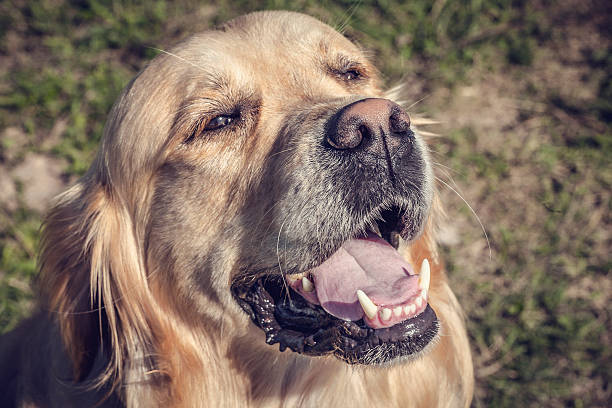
x,y
361,302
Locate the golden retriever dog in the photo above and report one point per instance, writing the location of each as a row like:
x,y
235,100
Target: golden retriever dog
x,y
257,230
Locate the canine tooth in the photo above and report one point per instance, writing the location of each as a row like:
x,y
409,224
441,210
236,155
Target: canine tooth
x,y
412,308
419,301
307,284
424,275
397,311
407,309
385,313
366,303
424,294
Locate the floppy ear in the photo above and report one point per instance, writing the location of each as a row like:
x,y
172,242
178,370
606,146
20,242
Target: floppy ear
x,y
92,263
93,277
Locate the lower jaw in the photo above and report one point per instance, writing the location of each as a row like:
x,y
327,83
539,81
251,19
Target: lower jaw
x,y
307,329
392,345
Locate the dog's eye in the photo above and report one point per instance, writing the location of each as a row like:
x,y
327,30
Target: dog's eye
x,y
219,122
350,75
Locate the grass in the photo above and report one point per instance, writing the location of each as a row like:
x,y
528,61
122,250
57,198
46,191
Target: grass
x,y
523,92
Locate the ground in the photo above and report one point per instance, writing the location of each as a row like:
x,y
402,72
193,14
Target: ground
x,y
523,94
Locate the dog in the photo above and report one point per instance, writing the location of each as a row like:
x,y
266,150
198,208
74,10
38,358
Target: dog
x,y
257,229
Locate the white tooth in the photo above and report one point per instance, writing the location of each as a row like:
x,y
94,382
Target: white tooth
x,y
412,309
419,301
397,311
424,294
385,313
307,284
424,275
295,277
366,303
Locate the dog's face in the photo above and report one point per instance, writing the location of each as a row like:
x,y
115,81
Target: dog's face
x,y
280,180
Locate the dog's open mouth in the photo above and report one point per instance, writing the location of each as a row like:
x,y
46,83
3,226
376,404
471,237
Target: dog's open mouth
x,y
364,304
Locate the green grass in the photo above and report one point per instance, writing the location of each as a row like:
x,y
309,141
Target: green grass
x,y
523,89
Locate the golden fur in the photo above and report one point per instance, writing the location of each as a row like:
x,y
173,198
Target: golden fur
x,y
138,256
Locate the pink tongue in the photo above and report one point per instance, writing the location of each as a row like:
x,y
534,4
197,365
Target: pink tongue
x,y
369,264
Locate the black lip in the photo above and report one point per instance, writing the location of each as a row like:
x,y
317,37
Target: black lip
x,y
307,329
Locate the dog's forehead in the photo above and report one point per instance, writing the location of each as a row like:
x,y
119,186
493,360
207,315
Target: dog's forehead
x,y
266,45
282,30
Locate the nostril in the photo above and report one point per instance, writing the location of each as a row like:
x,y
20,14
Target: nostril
x,y
347,137
364,132
399,122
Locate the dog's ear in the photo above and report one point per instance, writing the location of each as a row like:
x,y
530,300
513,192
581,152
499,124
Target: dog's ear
x,y
93,276
92,263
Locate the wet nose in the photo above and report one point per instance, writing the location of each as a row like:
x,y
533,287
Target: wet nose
x,y
374,120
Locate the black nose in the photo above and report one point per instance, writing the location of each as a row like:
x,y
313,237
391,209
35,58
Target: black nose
x,y
377,121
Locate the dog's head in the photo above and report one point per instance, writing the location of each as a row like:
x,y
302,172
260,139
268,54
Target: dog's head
x,y
256,168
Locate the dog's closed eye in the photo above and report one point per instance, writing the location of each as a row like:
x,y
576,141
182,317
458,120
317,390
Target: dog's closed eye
x,y
212,124
350,75
220,121
347,69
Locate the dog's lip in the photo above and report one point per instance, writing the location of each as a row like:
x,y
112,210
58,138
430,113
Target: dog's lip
x,y
305,328
366,278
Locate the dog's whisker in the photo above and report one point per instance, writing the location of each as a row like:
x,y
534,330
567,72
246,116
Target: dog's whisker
x,y
280,268
428,134
417,102
282,151
289,227
444,167
424,121
348,15
473,212
264,217
178,57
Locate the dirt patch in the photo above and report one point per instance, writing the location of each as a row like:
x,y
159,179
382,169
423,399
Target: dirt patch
x,y
40,179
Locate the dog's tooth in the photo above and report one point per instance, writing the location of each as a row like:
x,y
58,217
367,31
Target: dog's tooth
x,y
397,311
412,308
424,275
407,309
295,277
307,284
366,303
419,301
424,294
385,313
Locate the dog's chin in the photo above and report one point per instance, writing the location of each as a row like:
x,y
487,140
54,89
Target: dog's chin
x,y
311,313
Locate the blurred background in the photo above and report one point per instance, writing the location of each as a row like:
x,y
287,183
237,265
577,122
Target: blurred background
x,y
522,91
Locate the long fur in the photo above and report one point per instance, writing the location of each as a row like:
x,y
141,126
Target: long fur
x,y
122,323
